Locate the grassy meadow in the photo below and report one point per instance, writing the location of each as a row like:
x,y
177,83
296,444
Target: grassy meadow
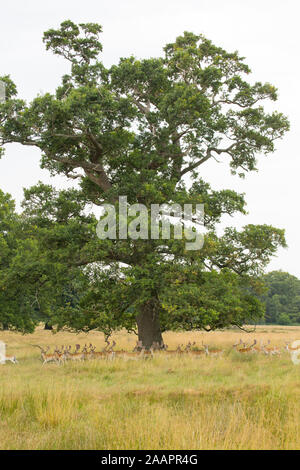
x,y
236,401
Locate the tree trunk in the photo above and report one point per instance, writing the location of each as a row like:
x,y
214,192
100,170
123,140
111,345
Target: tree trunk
x,y
148,324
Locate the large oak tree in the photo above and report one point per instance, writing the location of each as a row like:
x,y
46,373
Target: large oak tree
x,y
144,129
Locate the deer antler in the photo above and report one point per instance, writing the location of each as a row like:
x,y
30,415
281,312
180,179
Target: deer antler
x,y
107,344
112,346
37,346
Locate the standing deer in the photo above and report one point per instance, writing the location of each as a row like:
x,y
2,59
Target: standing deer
x,y
75,356
61,354
247,349
271,350
47,357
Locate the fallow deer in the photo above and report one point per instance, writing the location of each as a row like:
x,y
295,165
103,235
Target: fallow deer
x,y
47,357
247,349
271,350
75,356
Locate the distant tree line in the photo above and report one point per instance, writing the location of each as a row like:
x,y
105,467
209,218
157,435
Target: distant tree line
x,y
282,298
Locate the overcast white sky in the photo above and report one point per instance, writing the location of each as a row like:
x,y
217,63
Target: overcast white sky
x,y
266,32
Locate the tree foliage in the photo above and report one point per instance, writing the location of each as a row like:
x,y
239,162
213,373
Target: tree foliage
x,y
144,128
282,298
15,310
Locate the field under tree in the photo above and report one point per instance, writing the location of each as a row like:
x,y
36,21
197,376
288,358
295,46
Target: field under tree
x,y
232,402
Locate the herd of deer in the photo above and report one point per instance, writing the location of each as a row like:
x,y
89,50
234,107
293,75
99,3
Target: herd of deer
x,y
64,353
266,348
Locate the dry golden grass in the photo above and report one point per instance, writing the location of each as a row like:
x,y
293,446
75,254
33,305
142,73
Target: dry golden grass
x,y
233,402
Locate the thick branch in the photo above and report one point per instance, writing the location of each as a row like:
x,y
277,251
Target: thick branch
x,y
100,179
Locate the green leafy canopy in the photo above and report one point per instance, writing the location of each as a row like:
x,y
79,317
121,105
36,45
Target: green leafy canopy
x,y
144,128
